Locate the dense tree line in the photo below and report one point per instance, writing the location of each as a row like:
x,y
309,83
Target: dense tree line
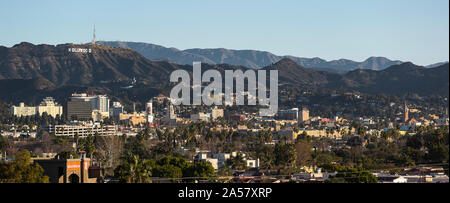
x,y
134,169
21,171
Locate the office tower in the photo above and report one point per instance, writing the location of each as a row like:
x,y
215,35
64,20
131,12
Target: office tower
x,y
101,103
79,107
406,114
115,110
290,114
149,111
149,107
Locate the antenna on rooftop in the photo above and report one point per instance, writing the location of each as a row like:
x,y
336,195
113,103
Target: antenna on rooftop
x,y
93,39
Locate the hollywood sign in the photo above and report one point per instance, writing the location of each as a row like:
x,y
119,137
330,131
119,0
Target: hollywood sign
x,y
80,50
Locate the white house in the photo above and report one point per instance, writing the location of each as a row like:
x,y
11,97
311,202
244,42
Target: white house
x,y
400,179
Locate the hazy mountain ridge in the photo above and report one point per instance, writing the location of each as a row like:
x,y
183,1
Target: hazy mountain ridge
x,y
248,58
395,80
291,73
437,64
27,70
402,78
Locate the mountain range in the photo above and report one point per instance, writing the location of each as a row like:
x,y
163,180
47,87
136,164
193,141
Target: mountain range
x,y
436,64
28,69
248,58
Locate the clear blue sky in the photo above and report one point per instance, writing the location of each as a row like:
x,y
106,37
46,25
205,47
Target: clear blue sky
x,y
408,30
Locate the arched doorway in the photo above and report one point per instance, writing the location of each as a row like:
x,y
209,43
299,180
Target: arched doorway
x,y
74,178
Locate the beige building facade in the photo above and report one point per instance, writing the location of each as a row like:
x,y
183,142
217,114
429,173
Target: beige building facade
x,y
22,110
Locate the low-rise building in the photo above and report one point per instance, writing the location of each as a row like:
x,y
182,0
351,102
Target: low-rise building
x,y
70,170
237,117
291,135
203,156
134,118
222,158
81,129
200,117
215,113
99,116
252,163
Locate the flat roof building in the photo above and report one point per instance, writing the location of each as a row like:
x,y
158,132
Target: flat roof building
x,y
22,110
289,114
81,106
81,129
49,106
69,170
78,109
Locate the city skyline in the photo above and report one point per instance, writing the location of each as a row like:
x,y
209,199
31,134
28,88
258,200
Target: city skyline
x,y
415,31
237,100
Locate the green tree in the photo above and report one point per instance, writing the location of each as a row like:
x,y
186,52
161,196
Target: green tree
x,y
66,155
438,153
285,155
353,175
200,169
21,171
178,162
237,162
3,143
266,156
324,158
88,145
134,170
167,171
303,150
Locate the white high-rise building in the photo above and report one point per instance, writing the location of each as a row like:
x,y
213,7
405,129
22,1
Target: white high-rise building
x,y
49,106
101,103
149,107
23,110
171,112
149,111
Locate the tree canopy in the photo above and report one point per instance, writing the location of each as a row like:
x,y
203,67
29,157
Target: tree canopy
x,y
21,171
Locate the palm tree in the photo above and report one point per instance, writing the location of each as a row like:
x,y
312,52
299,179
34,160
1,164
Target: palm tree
x,y
77,138
237,162
134,170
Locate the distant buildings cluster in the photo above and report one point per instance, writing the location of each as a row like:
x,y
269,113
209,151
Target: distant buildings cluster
x,y
218,160
210,115
294,114
85,107
287,124
48,105
80,108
